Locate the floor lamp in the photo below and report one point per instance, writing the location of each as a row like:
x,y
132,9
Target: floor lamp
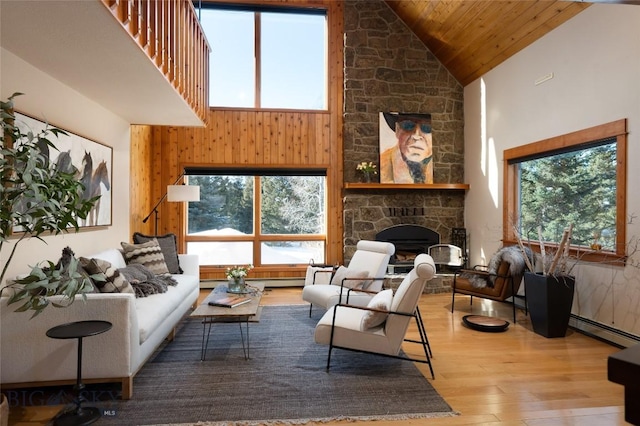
x,y
175,193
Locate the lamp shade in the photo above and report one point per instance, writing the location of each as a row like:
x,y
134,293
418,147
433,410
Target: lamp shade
x,y
176,193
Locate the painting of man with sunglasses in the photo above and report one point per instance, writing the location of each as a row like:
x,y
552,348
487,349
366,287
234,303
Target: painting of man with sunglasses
x,y
409,159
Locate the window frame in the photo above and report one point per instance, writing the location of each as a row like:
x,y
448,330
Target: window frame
x,y
257,10
257,238
613,130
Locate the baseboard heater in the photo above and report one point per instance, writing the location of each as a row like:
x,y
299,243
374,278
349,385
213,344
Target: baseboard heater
x,y
603,332
597,330
269,282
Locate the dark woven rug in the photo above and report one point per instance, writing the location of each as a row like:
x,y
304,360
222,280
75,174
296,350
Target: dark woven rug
x,y
285,381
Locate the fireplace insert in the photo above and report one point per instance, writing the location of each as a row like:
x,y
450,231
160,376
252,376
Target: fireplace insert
x,y
410,241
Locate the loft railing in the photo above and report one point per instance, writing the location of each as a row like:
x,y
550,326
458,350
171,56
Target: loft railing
x,y
169,32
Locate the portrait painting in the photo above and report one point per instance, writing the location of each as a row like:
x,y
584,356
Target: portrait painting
x,y
90,161
406,148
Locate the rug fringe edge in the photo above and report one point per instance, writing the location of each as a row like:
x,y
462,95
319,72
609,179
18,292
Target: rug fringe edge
x,y
284,422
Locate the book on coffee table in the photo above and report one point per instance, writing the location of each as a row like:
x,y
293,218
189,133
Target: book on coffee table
x,y
230,301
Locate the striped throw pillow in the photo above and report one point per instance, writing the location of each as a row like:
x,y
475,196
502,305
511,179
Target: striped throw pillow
x,y
114,281
148,254
169,245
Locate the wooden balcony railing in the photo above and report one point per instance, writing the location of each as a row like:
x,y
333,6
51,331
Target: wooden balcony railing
x,y
169,32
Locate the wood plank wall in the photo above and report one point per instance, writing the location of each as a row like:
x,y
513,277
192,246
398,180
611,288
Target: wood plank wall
x,y
239,137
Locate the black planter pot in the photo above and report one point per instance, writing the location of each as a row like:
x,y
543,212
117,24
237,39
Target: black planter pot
x,y
549,299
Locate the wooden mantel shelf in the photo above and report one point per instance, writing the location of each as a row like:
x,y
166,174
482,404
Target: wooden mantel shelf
x,y
414,186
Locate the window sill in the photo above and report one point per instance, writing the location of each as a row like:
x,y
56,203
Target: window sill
x,y
581,254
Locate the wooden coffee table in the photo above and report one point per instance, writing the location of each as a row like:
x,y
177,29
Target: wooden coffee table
x,y
246,313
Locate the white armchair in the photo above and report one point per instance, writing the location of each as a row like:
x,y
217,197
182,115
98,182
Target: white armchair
x,y
366,271
380,327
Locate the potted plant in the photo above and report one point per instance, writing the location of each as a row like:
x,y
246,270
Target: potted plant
x,y
36,199
549,291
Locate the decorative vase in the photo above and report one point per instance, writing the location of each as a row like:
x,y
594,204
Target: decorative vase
x,y
549,300
236,285
366,177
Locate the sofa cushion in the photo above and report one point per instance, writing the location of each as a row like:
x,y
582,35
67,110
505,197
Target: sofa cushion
x,y
169,246
114,281
148,254
381,301
154,309
113,256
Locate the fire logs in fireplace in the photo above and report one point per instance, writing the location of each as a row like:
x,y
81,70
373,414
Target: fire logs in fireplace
x,y
410,241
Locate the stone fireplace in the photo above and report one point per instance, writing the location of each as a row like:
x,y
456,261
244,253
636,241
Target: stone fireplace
x,y
368,212
387,68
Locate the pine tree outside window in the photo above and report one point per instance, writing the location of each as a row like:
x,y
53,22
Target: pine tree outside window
x,y
263,220
578,178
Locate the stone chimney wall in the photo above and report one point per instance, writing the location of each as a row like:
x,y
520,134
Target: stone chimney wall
x,y
387,68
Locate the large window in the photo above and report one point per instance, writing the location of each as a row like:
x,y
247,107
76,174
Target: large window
x,y
272,219
577,179
266,58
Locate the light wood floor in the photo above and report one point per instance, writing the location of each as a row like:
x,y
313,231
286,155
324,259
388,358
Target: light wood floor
x,y
498,379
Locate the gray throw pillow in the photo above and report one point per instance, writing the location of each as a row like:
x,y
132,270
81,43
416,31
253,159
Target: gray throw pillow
x,y
169,246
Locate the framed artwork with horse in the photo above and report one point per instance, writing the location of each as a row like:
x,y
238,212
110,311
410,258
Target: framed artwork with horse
x,y
89,160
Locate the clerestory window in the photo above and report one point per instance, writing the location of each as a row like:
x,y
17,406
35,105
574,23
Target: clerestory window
x,y
266,57
578,179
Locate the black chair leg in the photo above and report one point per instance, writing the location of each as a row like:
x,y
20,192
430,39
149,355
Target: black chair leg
x,y
423,332
329,357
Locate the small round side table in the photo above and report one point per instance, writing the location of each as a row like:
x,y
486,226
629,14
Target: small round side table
x,y
78,415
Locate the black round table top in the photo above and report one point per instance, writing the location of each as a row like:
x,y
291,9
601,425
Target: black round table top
x,y
484,323
77,329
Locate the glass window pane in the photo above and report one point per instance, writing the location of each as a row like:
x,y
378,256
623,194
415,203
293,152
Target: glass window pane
x,y
293,205
576,188
232,66
223,253
293,61
225,206
292,252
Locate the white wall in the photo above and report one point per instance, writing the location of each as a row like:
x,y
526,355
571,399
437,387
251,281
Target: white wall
x,y
595,61
45,97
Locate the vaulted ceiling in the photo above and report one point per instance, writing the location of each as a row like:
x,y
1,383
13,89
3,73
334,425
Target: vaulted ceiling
x,y
471,37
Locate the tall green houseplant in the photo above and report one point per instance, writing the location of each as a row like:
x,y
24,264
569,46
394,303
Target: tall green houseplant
x,y
37,199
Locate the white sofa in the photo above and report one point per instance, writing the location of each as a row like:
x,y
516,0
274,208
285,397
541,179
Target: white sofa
x,y
140,325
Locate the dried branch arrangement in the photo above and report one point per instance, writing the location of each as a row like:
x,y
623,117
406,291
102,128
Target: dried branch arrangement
x,y
555,258
558,264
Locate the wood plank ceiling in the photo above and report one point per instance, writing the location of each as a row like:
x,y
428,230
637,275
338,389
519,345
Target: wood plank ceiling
x,y
472,37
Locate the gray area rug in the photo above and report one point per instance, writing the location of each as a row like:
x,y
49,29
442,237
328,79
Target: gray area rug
x,y
284,382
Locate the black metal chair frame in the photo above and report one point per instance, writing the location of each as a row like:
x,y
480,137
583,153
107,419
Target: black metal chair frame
x,y
342,285
315,273
422,331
